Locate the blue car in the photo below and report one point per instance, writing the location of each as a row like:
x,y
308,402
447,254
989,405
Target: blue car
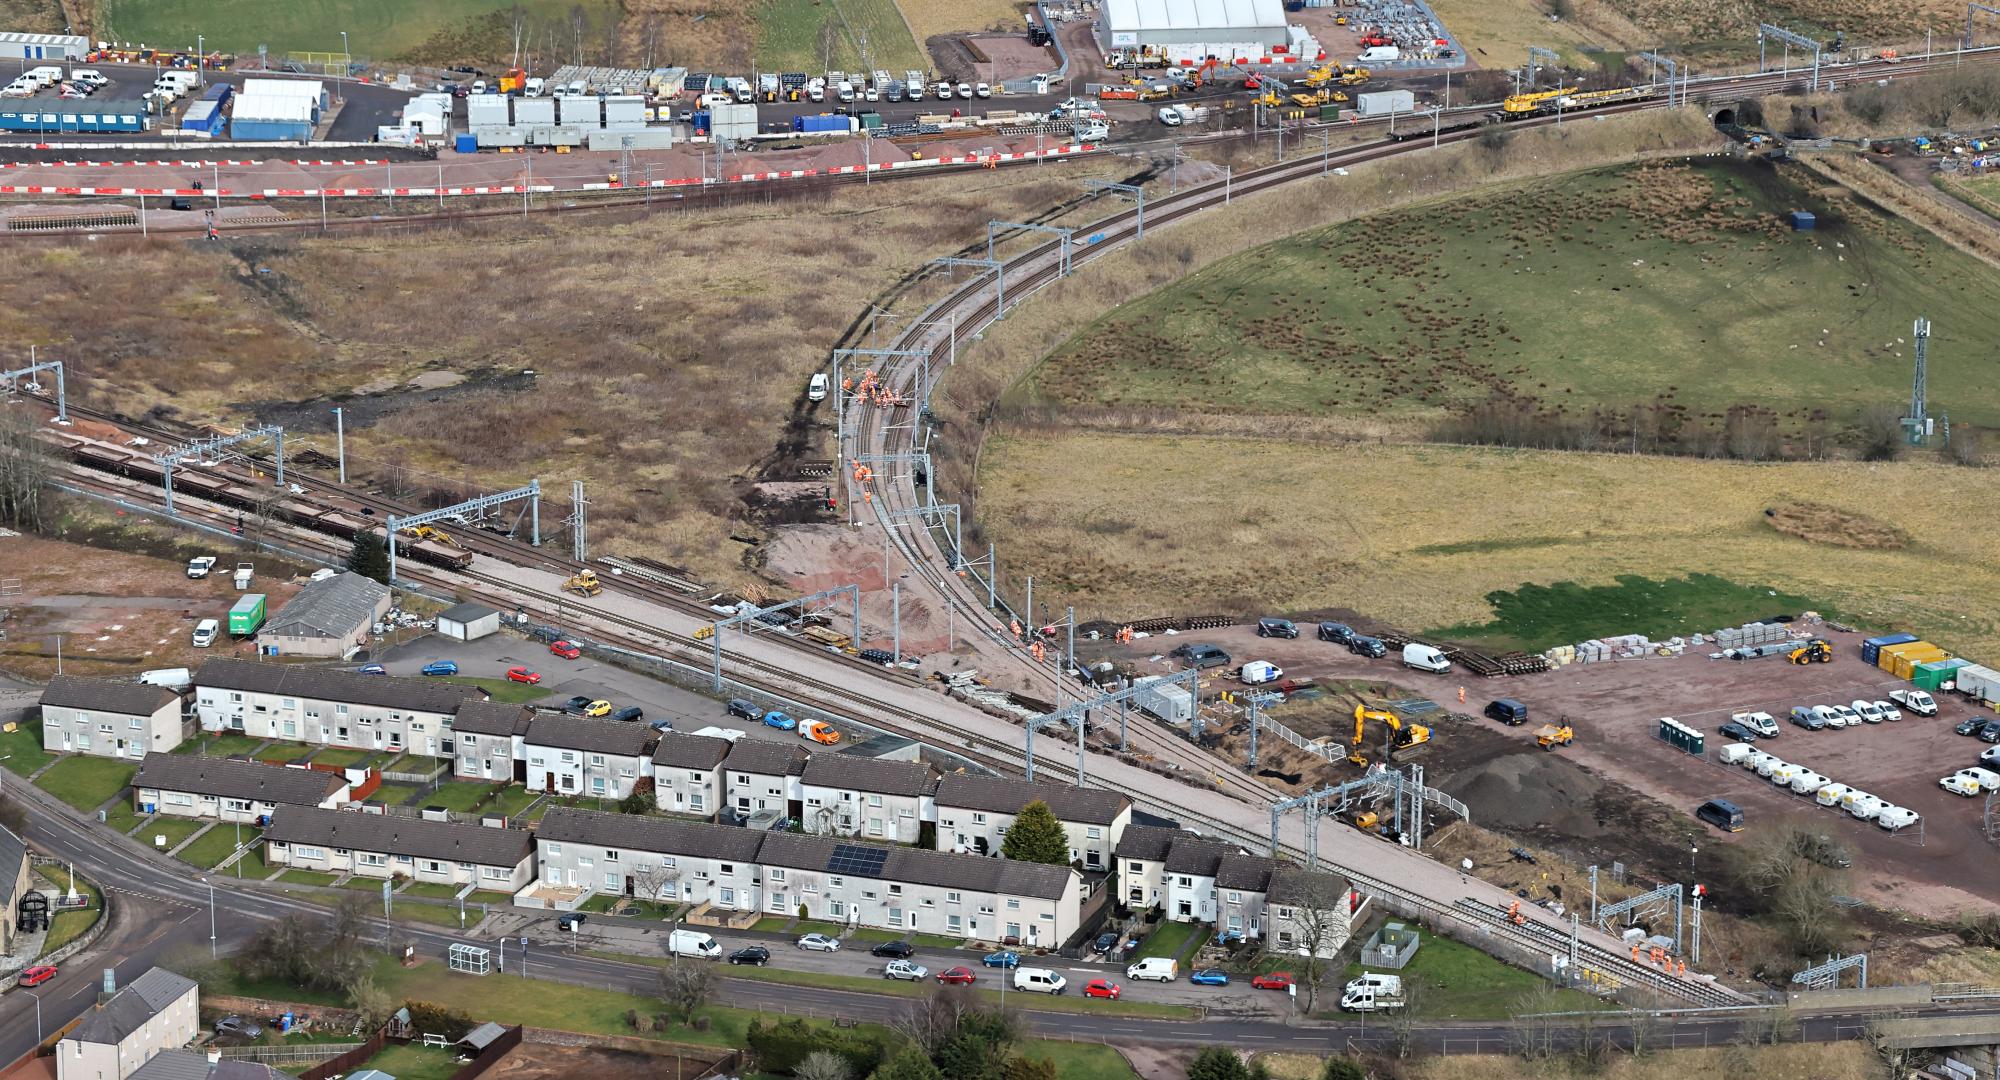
x,y
1001,959
1210,977
441,667
779,720
371,669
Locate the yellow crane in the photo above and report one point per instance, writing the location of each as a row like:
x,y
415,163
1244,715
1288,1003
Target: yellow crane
x,y
1403,734
1519,104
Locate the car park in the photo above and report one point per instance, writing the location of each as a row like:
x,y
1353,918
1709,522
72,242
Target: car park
x,y
905,970
898,950
1278,628
1737,731
565,650
523,675
1338,633
819,943
1273,980
1209,977
755,955
1847,714
956,976
779,720
1002,959
1101,988
441,667
38,974
1807,717
1830,716
1867,711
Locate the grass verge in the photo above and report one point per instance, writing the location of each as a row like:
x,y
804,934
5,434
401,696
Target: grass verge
x,y
21,749
86,783
70,923
307,877
215,845
1462,983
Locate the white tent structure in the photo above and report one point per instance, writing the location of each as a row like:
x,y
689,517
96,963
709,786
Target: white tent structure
x,y
1192,28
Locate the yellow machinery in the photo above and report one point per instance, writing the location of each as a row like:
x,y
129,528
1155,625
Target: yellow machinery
x,y
1521,104
1550,736
1403,736
1321,96
584,583
1320,76
426,532
705,632
1355,77
1816,651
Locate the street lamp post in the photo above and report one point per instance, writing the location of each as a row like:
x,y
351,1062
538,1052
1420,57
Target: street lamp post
x,y
346,65
211,917
1692,852
38,1017
198,65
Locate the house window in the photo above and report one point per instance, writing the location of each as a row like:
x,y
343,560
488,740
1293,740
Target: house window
x,y
236,697
137,723
1235,897
668,862
895,890
597,784
777,875
597,761
1013,905
568,758
955,923
728,897
434,866
833,882
952,897
1185,882
178,798
83,740
895,916
1094,833
494,872
979,819
340,710
874,826
1136,867
585,862
986,909
309,852
554,849
611,856
868,894
742,778
291,703
726,869
835,909
809,886
613,883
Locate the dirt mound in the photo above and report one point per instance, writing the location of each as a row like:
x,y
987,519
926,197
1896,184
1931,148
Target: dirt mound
x,y
1527,791
1819,523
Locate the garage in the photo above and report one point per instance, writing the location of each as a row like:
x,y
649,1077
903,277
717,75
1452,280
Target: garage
x,y
468,622
1192,30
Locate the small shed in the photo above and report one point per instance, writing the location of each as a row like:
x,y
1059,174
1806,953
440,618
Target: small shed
x,y
481,1037
1390,947
1804,221
370,1074
468,622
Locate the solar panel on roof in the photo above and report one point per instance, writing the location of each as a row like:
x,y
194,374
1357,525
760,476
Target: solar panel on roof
x,y
857,859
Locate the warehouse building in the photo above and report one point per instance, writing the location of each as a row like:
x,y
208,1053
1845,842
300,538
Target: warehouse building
x,y
16,46
330,617
41,114
312,90
1192,29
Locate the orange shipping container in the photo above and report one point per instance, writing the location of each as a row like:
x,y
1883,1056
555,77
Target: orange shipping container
x,y
1906,663
1886,660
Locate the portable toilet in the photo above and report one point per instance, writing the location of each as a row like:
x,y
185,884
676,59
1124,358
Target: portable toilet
x,y
466,143
1803,221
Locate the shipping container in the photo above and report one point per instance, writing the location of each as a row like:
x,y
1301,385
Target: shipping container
x,y
1385,103
534,112
1905,663
1932,675
1871,650
467,143
1886,659
203,117
1169,702
652,138
624,110
60,116
487,111
501,136
217,92
1979,681
247,614
581,111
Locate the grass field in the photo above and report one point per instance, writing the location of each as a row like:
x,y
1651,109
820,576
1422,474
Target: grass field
x,y
1570,293
73,922
379,29
929,17
86,782
503,690
216,845
1462,983
1849,1060
21,749
344,756
789,36
121,816
1420,536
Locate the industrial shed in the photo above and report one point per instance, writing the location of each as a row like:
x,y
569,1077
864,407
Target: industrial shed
x,y
18,46
45,115
1191,29
468,622
331,618
264,118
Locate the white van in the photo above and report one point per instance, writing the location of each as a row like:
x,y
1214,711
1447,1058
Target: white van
x,y
727,734
177,679
1734,753
1376,983
1757,759
1832,794
1769,766
1161,968
48,76
204,633
1039,980
1783,773
816,387
1862,805
1260,671
1808,782
1379,54
1896,817
1425,658
693,943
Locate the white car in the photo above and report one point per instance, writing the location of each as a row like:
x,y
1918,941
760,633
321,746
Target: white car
x,y
982,90
819,943
816,387
1959,784
904,969
1888,710
1867,711
1829,716
871,94
1848,714
965,91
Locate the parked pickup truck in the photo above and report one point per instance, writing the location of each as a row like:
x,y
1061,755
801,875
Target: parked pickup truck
x,y
1759,722
1917,701
200,566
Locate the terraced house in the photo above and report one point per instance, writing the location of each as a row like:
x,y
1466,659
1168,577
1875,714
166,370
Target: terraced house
x,y
880,800
109,717
181,785
487,738
156,1012
974,813
574,755
760,774
649,858
920,891
687,773
326,707
377,846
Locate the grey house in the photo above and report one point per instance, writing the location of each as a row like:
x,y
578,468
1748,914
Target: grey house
x,y
13,885
974,813
157,1012
333,708
375,846
1142,862
575,755
760,774
487,741
649,858
328,618
687,773
866,797
181,785
109,717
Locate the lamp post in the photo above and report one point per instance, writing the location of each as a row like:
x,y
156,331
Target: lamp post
x,y
211,917
1692,852
38,1016
198,65
346,65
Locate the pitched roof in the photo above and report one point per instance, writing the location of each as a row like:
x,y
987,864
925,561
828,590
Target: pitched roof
x,y
477,717
916,866
227,779
13,855
337,607
330,684
120,696
400,836
678,751
1197,857
1250,873
664,836
1148,842
1294,887
592,736
1094,806
766,756
188,1065
481,1037
129,1009
870,774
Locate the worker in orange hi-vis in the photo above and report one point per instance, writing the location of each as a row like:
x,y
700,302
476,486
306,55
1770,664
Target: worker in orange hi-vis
x,y
1635,954
1461,695
1683,969
1014,627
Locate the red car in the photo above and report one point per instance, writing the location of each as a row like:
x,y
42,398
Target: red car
x,y
565,650
1101,988
1274,980
521,674
37,975
958,976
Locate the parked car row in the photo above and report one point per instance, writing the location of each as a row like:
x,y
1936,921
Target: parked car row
x,y
1802,781
819,731
1821,717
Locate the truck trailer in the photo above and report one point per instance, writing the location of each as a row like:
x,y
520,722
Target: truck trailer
x,y
246,615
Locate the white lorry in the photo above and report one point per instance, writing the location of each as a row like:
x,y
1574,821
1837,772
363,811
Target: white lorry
x,y
1179,115
1916,701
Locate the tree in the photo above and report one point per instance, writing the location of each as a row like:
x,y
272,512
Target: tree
x,y
911,1064
1402,1023
14,817
823,1065
1532,1034
25,469
1217,1063
311,951
1343,1068
1880,433
372,1005
1036,836
686,985
369,557
1965,448
1027,1068
638,802
195,963
656,881
1315,906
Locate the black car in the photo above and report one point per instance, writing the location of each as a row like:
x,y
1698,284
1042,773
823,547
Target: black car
x,y
1737,731
745,708
630,714
1367,646
1336,632
1283,628
1990,731
1106,942
577,704
1202,656
1969,726
569,920
894,950
754,954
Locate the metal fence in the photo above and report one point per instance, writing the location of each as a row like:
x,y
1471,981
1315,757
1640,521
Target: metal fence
x,y
273,1055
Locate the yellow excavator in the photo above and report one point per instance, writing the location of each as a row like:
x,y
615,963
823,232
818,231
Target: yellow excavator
x,y
584,583
1816,651
1404,735
426,532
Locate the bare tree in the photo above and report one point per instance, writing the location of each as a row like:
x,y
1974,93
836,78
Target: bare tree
x,y
823,1065
1590,1044
1315,907
686,985
264,514
1965,448
933,1020
656,881
1879,433
1773,1025
1532,1034
25,469
1401,1023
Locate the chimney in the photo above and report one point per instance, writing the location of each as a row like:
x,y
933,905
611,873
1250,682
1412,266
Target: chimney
x,y
214,1055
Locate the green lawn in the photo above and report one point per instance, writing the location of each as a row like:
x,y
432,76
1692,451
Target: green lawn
x,y
1572,292
436,890
511,801
1080,1060
415,1062
1536,617
342,756
21,749
86,782
634,909
489,896
987,987
376,28
216,845
211,744
281,752
175,829
503,690
789,40
445,915
415,763
460,795
73,922
251,867
1167,939
395,794
306,877
121,816
1462,983
775,924
929,941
